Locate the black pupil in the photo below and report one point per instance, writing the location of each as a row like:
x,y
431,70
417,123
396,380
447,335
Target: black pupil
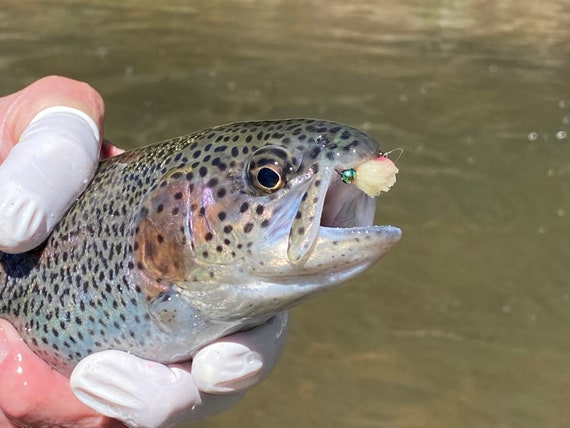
x,y
267,178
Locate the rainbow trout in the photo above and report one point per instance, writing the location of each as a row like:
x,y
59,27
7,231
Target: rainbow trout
x,y
177,244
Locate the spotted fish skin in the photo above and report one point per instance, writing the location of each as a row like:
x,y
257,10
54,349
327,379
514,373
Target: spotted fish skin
x,y
177,244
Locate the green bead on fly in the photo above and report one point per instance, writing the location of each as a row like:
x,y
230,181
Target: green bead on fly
x,y
348,175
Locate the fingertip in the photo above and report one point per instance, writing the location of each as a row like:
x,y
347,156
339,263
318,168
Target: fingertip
x,y
22,223
136,391
224,367
240,360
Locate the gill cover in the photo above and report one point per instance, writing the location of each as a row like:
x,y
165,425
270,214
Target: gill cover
x,y
161,254
306,225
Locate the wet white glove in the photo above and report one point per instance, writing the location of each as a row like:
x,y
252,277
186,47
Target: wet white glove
x,y
50,166
141,393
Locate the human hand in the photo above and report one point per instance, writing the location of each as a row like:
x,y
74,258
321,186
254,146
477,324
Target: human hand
x,y
138,392
48,156
32,199
142,393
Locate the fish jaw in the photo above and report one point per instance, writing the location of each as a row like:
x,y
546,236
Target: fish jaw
x,y
346,252
346,244
264,289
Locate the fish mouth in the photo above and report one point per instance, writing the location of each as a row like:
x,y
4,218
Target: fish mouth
x,y
347,207
335,228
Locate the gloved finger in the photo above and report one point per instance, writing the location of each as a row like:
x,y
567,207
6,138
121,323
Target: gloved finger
x,y
142,393
240,360
53,162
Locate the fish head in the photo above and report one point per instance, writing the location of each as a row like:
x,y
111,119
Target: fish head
x,y
254,217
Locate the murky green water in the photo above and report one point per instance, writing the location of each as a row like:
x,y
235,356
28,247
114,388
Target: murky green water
x,y
465,323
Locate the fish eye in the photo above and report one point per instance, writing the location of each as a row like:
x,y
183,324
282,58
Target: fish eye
x,y
268,178
269,167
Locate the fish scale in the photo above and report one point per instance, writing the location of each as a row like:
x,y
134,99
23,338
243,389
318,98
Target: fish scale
x,y
177,244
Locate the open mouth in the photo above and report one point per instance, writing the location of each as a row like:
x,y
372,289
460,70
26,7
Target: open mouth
x,y
345,207
335,214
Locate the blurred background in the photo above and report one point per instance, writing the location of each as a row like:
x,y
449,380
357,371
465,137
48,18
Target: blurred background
x,y
463,324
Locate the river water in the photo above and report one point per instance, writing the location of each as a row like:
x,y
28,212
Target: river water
x,y
465,323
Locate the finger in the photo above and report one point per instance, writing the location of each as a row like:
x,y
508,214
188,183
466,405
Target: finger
x,y
18,109
31,393
43,174
142,393
238,361
108,150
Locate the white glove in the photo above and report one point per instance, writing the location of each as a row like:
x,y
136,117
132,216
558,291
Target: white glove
x,y
50,166
141,393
